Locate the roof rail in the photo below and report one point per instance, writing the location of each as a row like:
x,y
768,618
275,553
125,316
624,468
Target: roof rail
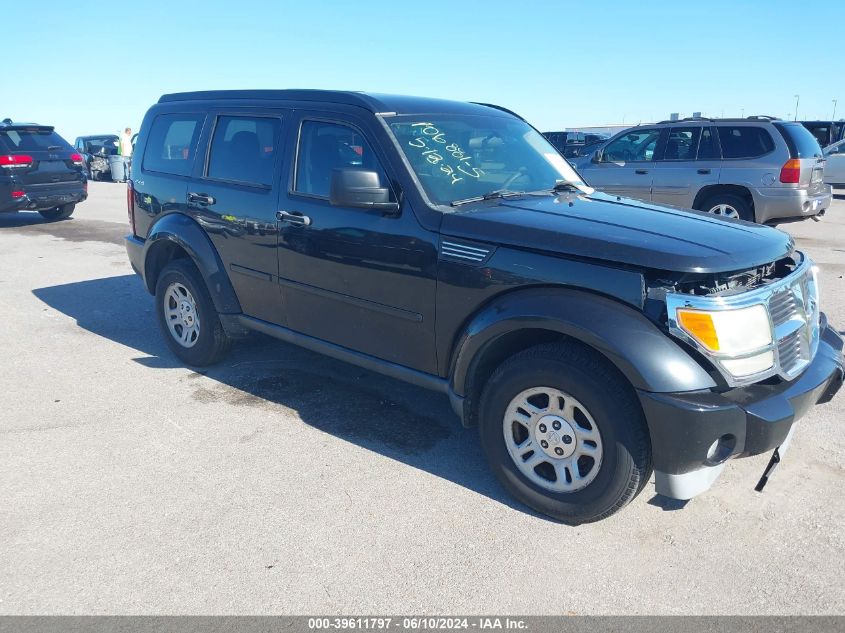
x,y
689,118
763,117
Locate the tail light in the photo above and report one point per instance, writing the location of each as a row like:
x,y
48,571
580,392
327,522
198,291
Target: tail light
x,y
17,195
15,161
791,171
76,159
130,204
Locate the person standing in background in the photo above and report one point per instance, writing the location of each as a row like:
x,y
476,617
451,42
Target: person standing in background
x,y
124,150
125,144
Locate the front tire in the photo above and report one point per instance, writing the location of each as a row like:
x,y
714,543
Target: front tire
x,y
58,213
564,432
187,317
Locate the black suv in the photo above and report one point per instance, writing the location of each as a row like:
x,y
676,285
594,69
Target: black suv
x,y
39,171
572,144
591,338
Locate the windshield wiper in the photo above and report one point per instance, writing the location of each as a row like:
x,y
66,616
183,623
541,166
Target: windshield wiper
x,y
498,193
565,185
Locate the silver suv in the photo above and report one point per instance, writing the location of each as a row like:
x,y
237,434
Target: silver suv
x,y
757,169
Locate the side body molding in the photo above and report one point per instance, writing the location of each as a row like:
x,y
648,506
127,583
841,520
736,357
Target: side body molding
x,y
649,358
179,229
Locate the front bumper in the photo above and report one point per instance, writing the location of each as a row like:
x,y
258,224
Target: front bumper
x,y
782,203
694,433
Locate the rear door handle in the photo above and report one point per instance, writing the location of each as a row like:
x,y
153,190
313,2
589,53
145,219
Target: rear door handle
x,y
641,172
201,198
293,218
703,171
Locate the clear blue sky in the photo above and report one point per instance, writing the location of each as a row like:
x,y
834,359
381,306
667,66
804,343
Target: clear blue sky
x,y
93,67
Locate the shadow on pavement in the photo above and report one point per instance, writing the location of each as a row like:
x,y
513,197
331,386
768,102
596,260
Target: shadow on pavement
x,y
400,421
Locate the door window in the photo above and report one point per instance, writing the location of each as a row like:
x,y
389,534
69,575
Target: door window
x,y
638,145
324,147
173,143
744,141
682,143
244,149
707,148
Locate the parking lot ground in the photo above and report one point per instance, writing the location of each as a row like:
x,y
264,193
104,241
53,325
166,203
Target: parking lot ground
x,y
285,482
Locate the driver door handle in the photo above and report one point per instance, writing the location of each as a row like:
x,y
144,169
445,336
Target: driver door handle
x,y
641,172
293,218
703,171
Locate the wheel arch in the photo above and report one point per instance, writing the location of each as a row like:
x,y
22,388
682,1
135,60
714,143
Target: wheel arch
x,y
177,236
709,191
647,358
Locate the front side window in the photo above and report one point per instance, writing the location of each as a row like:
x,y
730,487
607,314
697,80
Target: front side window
x,y
244,149
326,146
457,157
638,145
744,141
173,143
682,143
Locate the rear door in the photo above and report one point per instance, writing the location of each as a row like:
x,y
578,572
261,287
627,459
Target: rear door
x,y
626,164
234,196
690,161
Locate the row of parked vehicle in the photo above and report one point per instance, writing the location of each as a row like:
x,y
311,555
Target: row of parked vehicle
x,y
592,338
757,168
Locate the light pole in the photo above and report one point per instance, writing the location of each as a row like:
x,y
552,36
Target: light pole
x,y
833,116
797,99
742,110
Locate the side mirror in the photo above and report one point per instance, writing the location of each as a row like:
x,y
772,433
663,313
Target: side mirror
x,y
361,189
833,150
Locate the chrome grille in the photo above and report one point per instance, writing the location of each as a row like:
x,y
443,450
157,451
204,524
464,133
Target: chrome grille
x,y
793,308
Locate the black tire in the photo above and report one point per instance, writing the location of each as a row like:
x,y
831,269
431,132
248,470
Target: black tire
x,y
737,202
212,343
58,213
95,175
584,374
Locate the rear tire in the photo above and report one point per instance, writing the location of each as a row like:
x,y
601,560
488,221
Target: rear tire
x,y
58,213
598,427
187,317
729,205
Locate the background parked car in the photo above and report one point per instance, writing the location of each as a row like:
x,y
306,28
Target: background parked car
x,y
834,169
39,171
95,152
572,144
756,169
826,132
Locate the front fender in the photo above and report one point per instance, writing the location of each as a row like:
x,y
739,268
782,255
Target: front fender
x,y
649,358
179,229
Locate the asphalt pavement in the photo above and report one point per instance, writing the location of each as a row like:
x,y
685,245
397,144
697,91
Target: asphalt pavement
x,y
285,482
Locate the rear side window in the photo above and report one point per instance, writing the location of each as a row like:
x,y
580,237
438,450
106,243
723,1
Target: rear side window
x,y
801,142
744,141
32,140
173,143
324,147
707,149
244,149
682,143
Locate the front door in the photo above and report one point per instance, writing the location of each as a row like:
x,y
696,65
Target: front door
x,y
355,277
626,165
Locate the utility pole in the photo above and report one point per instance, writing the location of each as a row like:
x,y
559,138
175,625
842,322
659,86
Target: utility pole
x,y
833,116
797,99
742,116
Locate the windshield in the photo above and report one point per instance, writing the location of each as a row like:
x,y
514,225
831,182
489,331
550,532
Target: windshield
x,y
458,157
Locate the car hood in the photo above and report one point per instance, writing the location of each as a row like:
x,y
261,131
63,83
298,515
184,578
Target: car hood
x,y
621,230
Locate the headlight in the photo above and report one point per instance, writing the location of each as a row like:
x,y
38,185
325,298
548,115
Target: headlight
x,y
732,337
